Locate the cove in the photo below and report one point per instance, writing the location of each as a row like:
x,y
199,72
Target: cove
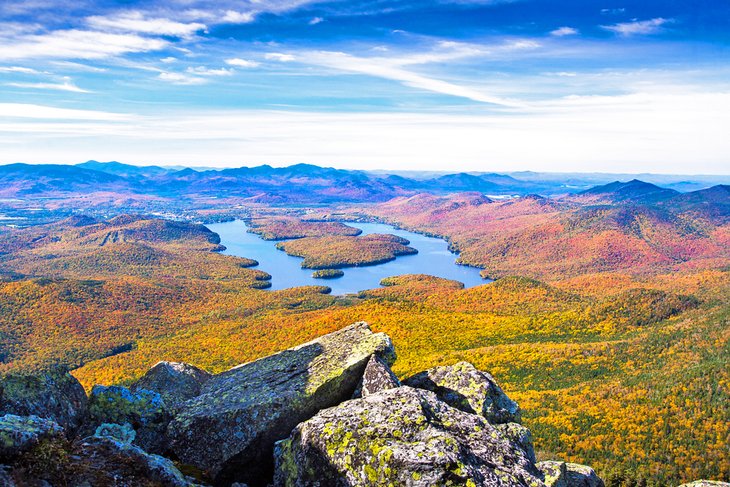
x,y
433,258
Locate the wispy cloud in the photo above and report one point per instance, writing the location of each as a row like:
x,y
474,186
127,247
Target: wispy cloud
x,y
76,44
401,67
203,71
136,21
278,56
387,69
234,17
33,111
242,63
180,78
638,27
316,20
18,69
564,31
70,65
66,85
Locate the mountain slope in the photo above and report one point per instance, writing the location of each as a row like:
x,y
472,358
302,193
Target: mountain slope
x,y
123,170
547,238
40,179
634,191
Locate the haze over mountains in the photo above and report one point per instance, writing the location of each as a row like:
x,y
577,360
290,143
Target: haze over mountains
x,y
304,183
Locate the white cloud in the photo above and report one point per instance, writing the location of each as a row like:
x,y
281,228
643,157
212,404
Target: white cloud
x,y
76,44
233,17
18,69
26,110
168,60
78,66
564,31
181,79
674,131
612,11
316,20
135,21
203,71
521,44
242,63
278,56
66,85
394,68
638,27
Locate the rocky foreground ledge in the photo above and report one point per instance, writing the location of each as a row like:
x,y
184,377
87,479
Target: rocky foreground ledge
x,y
326,413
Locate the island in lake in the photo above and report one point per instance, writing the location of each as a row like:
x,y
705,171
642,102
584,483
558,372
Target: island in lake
x,y
334,252
283,228
327,273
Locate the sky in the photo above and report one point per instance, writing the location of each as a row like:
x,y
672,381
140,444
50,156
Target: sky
x,y
476,85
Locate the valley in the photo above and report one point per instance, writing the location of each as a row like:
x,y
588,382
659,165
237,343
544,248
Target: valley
x,y
607,320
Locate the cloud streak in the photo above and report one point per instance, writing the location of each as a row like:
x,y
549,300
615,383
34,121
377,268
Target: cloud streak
x,y
66,85
381,68
181,79
400,67
242,63
638,27
135,21
33,111
564,31
76,44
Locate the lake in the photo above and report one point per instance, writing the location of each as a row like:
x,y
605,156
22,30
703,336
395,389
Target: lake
x,y
433,258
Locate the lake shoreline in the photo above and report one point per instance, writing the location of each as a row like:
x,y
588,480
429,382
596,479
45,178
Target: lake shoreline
x,y
433,256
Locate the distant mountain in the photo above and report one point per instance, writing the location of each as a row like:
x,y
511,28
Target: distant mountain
x,y
634,191
124,170
573,182
541,237
39,179
712,203
493,183
464,182
296,184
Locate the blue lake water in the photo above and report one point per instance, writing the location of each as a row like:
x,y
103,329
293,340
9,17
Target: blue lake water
x,y
433,258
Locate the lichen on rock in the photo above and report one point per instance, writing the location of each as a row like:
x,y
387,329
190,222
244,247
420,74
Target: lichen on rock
x,y
52,394
465,387
230,429
520,436
400,436
563,474
123,433
20,434
102,460
377,377
144,410
176,382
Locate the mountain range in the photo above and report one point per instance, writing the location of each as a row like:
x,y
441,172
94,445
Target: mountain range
x,y
300,183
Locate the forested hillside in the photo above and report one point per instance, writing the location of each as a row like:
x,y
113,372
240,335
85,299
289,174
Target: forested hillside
x,y
620,358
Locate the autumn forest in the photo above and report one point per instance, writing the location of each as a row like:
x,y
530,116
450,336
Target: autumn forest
x,y
607,320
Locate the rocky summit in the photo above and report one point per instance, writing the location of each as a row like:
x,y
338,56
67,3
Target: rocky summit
x,y
328,413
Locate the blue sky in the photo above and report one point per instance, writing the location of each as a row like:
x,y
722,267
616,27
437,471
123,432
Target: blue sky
x,y
481,85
